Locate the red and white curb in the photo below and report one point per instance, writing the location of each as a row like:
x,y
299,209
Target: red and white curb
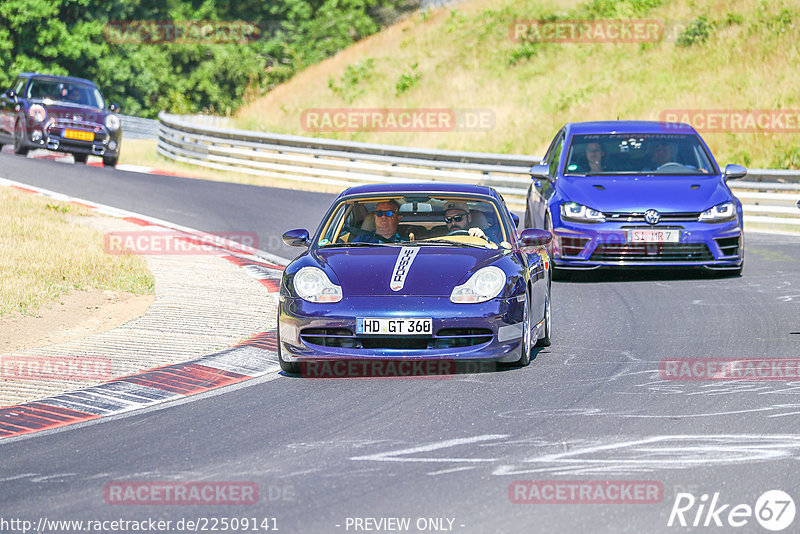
x,y
93,161
250,359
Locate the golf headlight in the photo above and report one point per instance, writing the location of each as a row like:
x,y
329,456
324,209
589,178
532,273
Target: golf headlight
x,y
721,212
484,285
112,123
572,211
313,285
37,113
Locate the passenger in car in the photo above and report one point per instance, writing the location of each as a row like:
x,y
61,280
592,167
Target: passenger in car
x,y
387,217
595,155
589,159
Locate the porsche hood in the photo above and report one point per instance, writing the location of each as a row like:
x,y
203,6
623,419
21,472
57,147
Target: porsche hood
x,y
404,271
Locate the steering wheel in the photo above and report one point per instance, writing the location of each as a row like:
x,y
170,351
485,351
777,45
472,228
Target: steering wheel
x,y
670,164
356,230
459,232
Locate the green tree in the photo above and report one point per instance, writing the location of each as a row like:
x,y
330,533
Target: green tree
x,y
70,37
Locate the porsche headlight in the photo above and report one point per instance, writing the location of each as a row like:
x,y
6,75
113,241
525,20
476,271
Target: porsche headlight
x,y
313,285
719,213
484,285
572,211
112,123
37,113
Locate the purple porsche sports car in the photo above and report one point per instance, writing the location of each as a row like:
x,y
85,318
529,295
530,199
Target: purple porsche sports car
x,y
415,272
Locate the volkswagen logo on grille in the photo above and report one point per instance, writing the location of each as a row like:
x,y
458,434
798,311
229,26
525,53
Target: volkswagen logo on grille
x,y
652,216
77,118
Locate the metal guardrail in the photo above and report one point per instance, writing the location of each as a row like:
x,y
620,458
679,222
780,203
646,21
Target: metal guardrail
x,y
138,128
209,142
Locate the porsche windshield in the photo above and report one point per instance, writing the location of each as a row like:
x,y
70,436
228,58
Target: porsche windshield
x,y
419,219
637,154
79,94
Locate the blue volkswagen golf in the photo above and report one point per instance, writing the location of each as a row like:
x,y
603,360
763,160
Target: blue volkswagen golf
x,y
635,194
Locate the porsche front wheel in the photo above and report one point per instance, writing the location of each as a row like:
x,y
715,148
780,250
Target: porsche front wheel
x,y
288,367
525,345
544,341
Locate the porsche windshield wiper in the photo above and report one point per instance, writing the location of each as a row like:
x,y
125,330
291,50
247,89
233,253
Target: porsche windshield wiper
x,y
359,244
448,242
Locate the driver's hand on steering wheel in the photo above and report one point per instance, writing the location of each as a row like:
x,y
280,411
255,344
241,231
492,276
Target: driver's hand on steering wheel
x,y
477,232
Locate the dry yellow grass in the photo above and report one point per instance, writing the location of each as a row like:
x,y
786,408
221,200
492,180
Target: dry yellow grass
x,y
45,253
749,62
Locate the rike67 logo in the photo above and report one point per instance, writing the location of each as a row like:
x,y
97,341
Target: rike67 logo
x,y
774,510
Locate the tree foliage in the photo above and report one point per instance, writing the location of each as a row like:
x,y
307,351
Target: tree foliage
x,y
71,37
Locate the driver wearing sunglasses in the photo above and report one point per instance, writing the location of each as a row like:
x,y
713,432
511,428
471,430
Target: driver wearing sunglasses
x,y
458,219
386,219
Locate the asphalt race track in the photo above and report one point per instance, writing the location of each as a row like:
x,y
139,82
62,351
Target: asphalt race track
x,y
592,407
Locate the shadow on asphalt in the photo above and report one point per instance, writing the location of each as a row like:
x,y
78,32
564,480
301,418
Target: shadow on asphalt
x,y
401,369
643,275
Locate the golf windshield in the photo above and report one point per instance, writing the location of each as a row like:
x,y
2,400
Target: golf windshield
x,y
637,154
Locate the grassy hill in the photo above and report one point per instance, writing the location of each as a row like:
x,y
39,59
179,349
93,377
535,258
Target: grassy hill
x,y
715,55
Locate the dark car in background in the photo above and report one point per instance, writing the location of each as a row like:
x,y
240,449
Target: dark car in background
x,y
59,113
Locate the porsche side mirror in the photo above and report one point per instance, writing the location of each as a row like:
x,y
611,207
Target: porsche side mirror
x,y
734,172
12,95
114,108
535,237
296,238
